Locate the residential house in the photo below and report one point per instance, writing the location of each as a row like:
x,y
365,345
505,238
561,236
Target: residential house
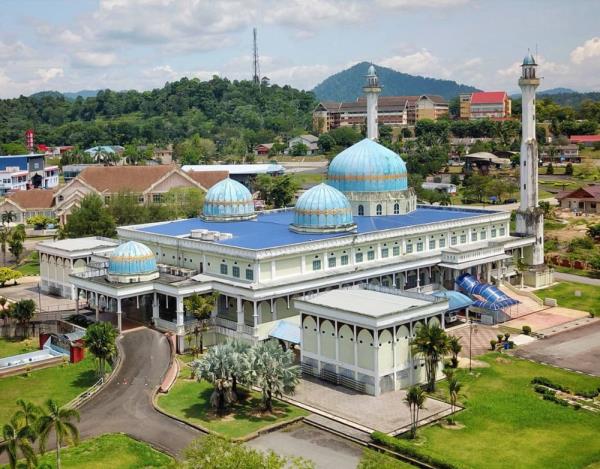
x,y
560,154
585,199
585,140
13,181
263,149
485,105
25,204
310,141
163,155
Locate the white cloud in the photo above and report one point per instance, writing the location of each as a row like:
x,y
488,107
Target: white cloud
x,y
421,62
302,76
589,49
47,74
13,51
94,59
406,4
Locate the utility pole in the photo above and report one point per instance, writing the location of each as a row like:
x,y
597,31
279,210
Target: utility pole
x,y
256,75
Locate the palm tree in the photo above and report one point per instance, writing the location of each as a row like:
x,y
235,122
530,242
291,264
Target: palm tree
x,y
216,367
28,413
8,217
18,438
100,339
431,344
59,420
273,371
4,237
201,308
455,347
453,389
241,371
415,400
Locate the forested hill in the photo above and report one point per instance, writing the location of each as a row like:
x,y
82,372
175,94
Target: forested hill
x,y
218,109
347,85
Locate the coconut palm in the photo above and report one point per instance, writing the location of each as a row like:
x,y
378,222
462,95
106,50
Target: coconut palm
x,y
273,371
454,387
18,438
201,307
415,400
28,413
58,419
100,339
431,344
8,217
216,367
455,347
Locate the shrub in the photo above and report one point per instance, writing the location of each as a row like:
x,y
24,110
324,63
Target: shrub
x,y
406,448
587,394
500,338
79,320
569,169
493,344
506,336
550,384
577,406
540,389
526,330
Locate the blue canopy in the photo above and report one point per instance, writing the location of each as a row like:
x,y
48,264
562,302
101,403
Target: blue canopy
x,y
456,300
287,331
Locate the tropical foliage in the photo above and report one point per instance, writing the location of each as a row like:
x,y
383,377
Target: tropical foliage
x,y
100,340
415,400
58,420
430,343
201,307
91,218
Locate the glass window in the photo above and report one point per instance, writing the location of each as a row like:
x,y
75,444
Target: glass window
x,y
432,244
409,248
502,231
224,269
317,264
396,209
361,210
378,209
344,259
419,246
463,239
385,252
370,255
493,232
235,271
249,274
396,251
483,235
442,242
157,198
331,262
359,257
474,236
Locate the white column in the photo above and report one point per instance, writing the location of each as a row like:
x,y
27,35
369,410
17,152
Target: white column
x,y
155,306
97,307
119,314
240,314
418,280
337,346
180,324
395,365
318,319
377,374
355,350
255,313
76,300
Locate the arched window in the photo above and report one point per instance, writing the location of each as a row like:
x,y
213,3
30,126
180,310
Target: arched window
x,y
378,209
361,210
396,209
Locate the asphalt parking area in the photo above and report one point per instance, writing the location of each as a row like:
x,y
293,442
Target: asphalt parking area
x,y
577,349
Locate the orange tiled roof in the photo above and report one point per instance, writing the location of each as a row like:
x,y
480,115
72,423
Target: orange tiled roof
x,y
34,198
113,179
207,179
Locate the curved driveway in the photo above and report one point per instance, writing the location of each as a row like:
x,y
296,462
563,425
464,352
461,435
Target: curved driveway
x,y
125,403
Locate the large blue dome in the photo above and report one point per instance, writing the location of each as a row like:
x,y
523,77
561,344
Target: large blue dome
x,y
323,208
132,259
228,199
368,166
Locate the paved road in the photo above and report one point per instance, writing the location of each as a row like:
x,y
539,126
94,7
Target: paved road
x,y
125,404
576,278
577,349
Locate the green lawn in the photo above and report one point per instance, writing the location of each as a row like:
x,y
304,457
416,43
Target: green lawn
x,y
29,268
190,400
564,293
10,347
116,451
507,424
304,179
61,383
375,460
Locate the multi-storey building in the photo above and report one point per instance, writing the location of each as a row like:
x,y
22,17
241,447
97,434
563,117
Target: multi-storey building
x,y
32,167
485,105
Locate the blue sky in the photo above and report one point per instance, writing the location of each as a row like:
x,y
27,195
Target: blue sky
x,y
69,45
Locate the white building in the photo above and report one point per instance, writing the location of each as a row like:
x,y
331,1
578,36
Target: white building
x,y
310,141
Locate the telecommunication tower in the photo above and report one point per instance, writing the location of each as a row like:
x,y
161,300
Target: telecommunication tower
x,y
256,76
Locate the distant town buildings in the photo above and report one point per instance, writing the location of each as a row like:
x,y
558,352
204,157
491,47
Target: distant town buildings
x,y
244,173
394,111
310,141
560,154
485,105
26,204
586,140
20,172
584,199
263,149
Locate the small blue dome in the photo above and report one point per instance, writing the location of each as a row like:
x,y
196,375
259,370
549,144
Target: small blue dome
x,y
132,258
323,207
529,60
228,199
368,166
371,70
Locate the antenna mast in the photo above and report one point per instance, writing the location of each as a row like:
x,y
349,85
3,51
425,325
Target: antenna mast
x,y
256,77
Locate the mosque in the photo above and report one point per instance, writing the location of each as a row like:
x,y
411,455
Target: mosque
x,y
362,227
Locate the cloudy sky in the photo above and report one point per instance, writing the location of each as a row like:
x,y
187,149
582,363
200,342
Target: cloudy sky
x,y
69,45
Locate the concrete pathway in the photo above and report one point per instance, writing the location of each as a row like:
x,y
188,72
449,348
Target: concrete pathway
x,y
559,276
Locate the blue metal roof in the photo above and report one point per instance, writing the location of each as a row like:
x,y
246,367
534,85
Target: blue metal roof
x,y
104,148
287,331
367,166
322,206
270,229
456,300
132,258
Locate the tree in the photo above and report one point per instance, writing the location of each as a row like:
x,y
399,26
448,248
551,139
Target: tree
x,y
215,367
215,452
90,219
431,344
15,246
273,371
8,217
40,222
345,136
183,202
23,311
195,150
415,400
454,387
455,347
28,413
125,209
4,237
550,169
100,339
299,149
569,169
18,438
201,307
241,371
593,231
326,142
7,274
277,191
58,419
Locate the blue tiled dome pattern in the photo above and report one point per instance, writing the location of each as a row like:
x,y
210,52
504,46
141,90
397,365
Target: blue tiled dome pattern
x,y
322,207
132,258
228,198
368,166
529,60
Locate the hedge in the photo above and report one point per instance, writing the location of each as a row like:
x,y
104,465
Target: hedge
x,y
403,447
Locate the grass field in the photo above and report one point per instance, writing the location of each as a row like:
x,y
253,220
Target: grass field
x,y
506,424
305,179
190,400
375,460
564,293
61,383
10,347
116,451
29,268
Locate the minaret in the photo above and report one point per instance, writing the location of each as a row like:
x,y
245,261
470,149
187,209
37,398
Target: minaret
x,y
530,219
372,90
